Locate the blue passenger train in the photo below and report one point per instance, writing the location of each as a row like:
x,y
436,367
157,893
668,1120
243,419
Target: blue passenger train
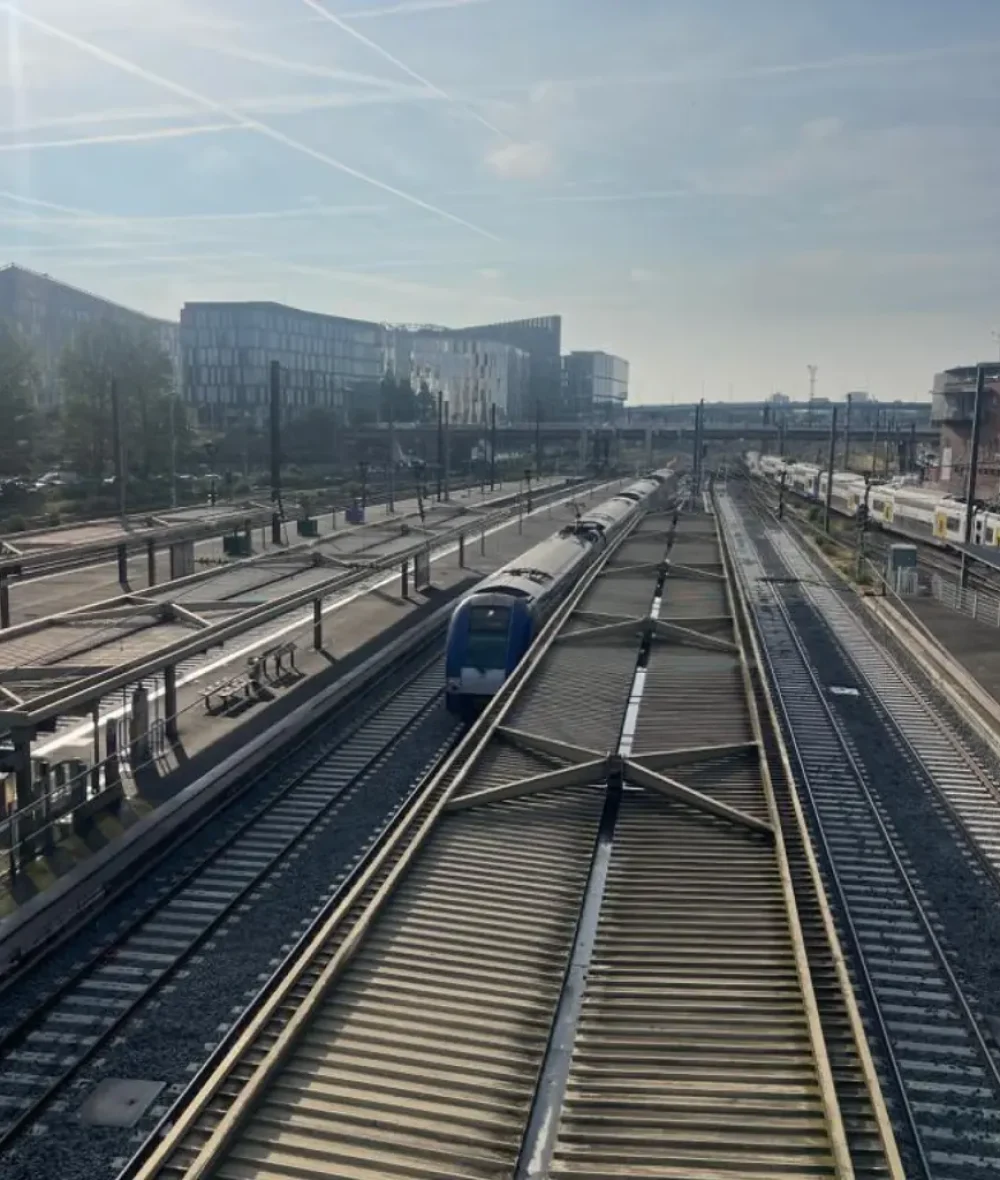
x,y
493,627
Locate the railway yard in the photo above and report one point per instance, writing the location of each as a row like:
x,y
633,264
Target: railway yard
x,y
710,890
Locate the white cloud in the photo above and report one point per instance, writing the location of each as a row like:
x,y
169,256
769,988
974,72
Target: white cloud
x,y
640,274
179,90
490,273
819,129
521,161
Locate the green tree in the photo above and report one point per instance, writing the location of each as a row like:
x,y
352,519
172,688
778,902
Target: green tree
x,y
397,400
153,422
19,383
426,404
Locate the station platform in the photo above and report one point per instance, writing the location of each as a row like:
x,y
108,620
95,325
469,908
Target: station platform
x,y
974,644
68,589
355,626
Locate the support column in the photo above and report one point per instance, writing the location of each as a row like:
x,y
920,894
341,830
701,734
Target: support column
x,y
112,765
22,775
318,623
461,550
4,602
482,542
139,746
95,771
123,567
170,702
150,563
404,579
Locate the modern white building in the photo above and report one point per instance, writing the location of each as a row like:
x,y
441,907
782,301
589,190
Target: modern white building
x,y
473,375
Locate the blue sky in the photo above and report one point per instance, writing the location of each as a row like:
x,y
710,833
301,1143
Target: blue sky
x,y
721,191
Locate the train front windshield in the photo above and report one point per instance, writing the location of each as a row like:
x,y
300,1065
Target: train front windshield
x,y
488,637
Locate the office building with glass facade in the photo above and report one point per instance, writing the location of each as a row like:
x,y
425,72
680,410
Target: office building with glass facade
x,y
327,362
47,315
541,340
473,375
595,384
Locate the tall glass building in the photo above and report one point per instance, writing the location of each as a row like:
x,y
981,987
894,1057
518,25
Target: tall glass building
x,y
596,384
48,314
474,376
541,338
226,350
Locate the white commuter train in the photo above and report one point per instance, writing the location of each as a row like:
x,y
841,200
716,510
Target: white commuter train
x,y
897,505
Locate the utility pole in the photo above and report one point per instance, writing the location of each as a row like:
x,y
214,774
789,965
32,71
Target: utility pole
x,y
447,456
829,470
813,370
493,446
440,444
862,531
781,494
875,443
847,435
890,427
392,457
118,442
173,450
276,452
699,415
970,498
538,437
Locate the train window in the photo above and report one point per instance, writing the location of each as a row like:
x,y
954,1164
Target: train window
x,y
989,536
878,505
487,646
952,524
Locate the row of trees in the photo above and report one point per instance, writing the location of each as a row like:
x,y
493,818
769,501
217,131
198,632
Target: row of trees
x,y
80,432
157,437
397,402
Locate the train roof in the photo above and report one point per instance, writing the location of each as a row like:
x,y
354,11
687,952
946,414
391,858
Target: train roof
x,y
536,569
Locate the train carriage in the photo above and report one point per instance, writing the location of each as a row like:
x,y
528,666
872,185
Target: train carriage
x,y
493,627
897,506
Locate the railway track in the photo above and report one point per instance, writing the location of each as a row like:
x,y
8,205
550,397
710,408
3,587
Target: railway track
x,y
250,857
935,558
561,960
929,1037
968,789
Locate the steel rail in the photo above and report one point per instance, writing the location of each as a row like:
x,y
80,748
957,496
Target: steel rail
x,y
252,1119
335,936
204,918
800,838
835,1125
963,787
917,1129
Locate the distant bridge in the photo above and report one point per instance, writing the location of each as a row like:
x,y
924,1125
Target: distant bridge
x,y
522,435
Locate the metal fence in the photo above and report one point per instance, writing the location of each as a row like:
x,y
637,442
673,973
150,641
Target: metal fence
x,y
977,604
